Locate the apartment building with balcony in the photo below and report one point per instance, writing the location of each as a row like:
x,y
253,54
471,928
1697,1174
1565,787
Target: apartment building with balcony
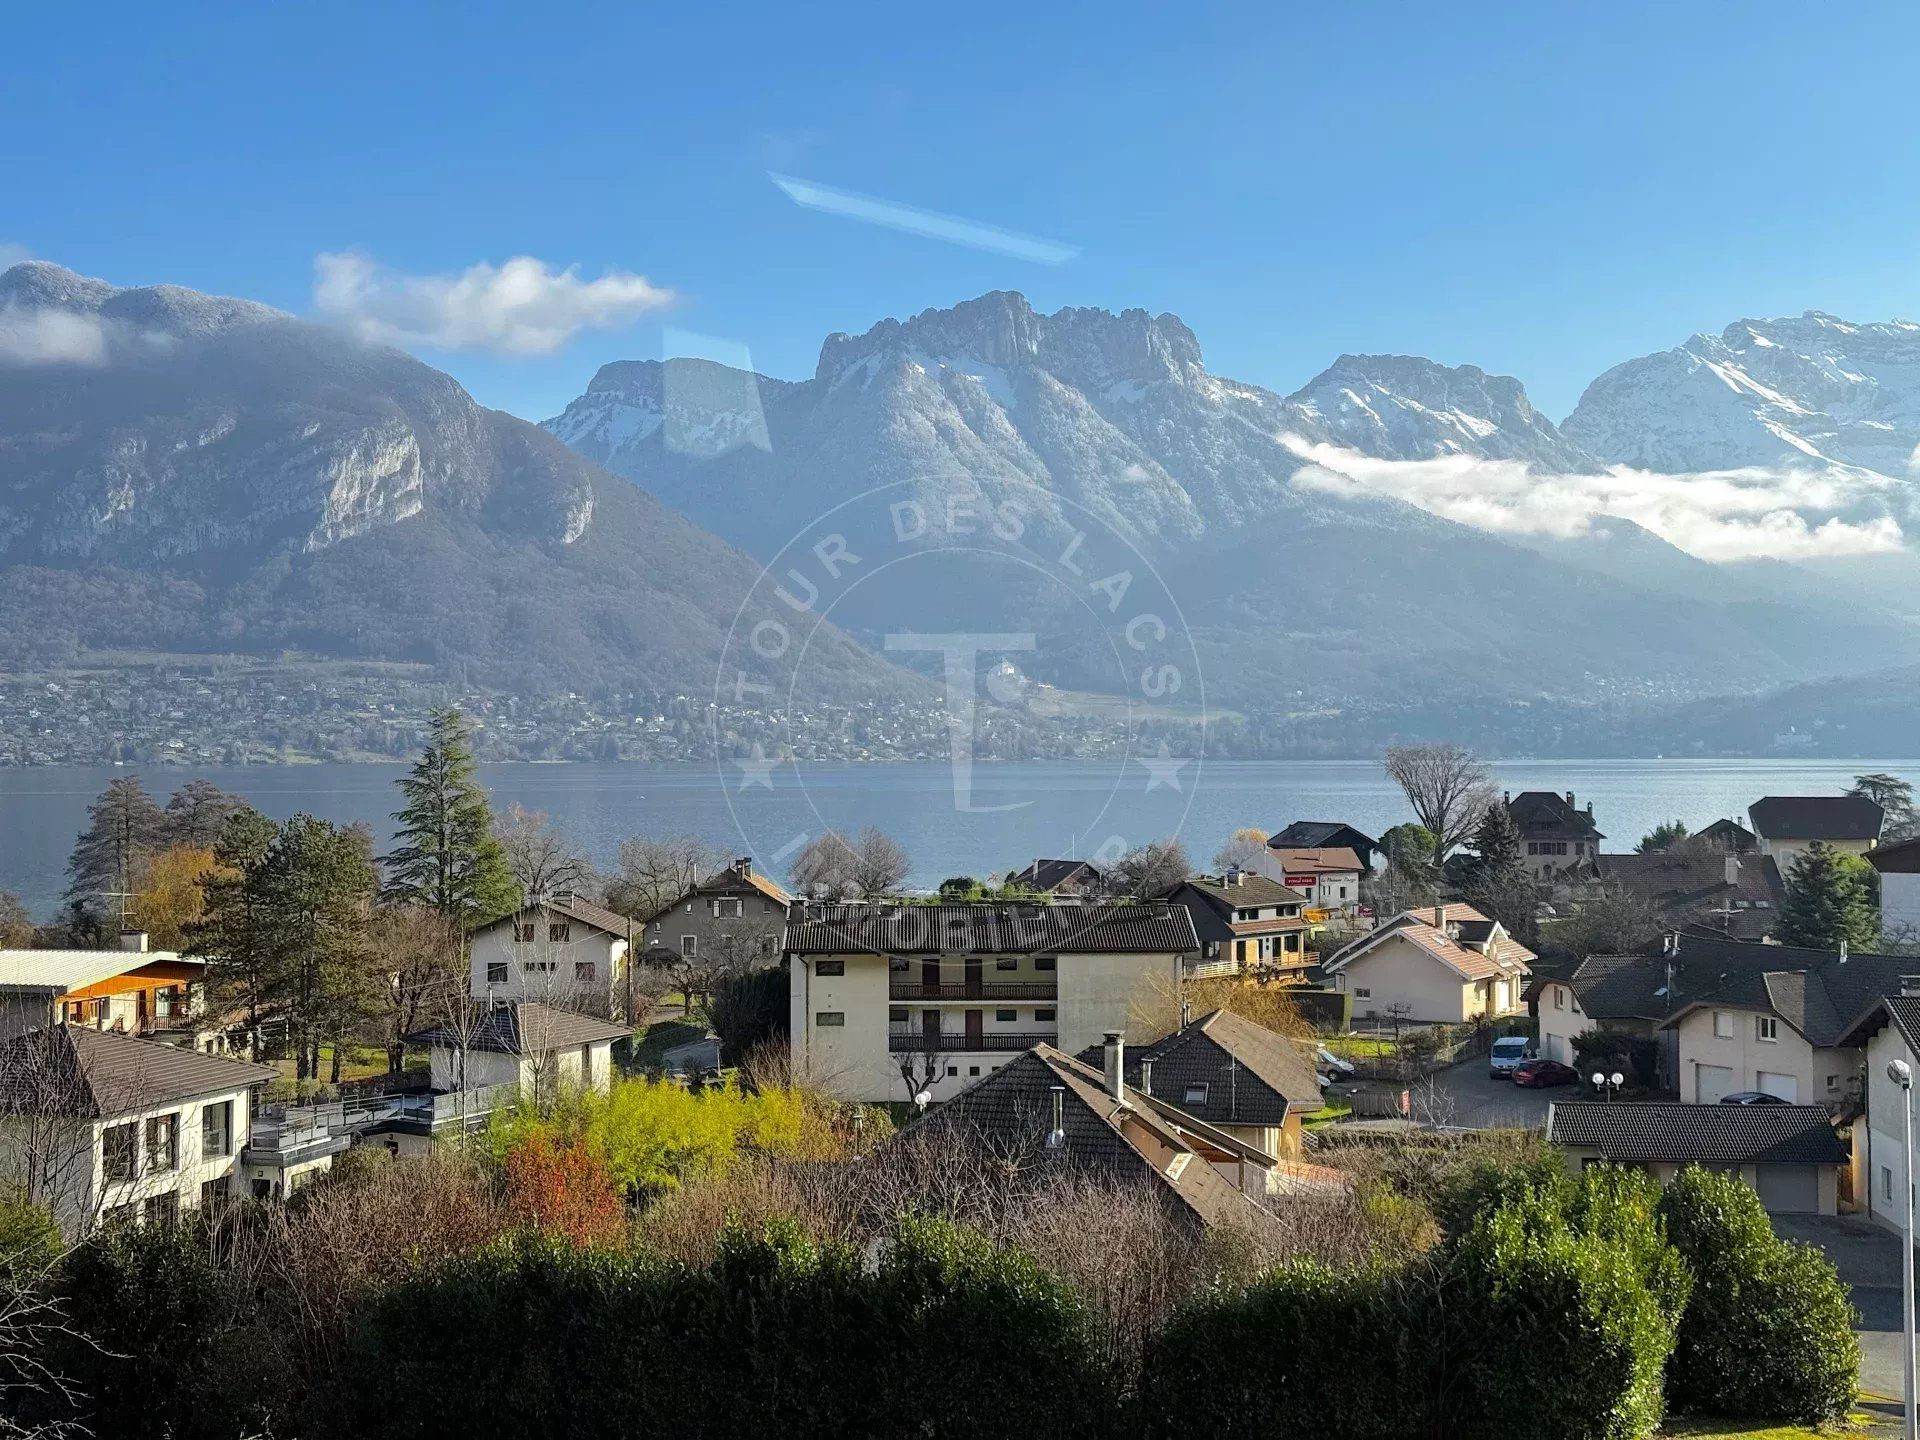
x,y
889,1001
131,989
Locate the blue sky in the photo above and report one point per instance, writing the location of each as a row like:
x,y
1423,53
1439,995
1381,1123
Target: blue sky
x,y
1540,190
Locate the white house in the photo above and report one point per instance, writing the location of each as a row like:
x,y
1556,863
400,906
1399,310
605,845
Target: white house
x,y
565,951
1789,824
101,1126
890,999
1899,867
1442,963
530,1046
1329,876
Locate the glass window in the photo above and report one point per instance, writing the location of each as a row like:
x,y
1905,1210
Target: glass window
x,y
897,1015
161,1209
1361,992
831,1017
118,1144
163,1143
559,932
1766,1027
1006,962
583,970
830,967
523,932
216,1129
689,945
1005,1017
496,972
1197,1094
1046,1015
1043,962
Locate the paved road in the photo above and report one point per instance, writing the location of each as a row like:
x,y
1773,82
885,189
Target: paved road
x,y
1465,1094
1867,1259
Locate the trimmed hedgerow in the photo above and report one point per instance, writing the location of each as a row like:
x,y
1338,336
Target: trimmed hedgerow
x,y
1768,1330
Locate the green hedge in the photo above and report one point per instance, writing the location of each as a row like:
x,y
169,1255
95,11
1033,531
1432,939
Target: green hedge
x,y
1306,1351
1768,1332
949,1337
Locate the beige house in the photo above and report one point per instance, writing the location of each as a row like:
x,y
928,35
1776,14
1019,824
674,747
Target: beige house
x,y
1556,837
1789,1154
1787,825
892,1000
564,951
1446,964
1621,994
1891,1032
105,1127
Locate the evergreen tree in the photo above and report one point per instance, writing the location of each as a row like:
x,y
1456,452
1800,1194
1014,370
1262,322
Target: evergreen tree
x,y
1496,845
1662,838
317,885
1495,880
197,812
448,857
233,934
124,829
1830,899
1894,796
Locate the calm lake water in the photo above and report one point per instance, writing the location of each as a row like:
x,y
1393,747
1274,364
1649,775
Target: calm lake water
x,y
1003,816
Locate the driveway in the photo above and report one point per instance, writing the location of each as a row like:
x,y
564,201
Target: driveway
x,y
1867,1258
1466,1095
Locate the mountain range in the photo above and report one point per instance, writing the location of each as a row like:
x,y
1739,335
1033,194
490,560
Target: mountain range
x,y
1294,589
186,473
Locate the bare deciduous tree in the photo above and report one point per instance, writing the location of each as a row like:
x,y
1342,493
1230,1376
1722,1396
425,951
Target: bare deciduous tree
x,y
876,863
1447,785
1151,869
1240,853
832,867
652,874
544,860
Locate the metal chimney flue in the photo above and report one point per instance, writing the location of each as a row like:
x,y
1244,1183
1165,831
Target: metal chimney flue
x,y
1116,1057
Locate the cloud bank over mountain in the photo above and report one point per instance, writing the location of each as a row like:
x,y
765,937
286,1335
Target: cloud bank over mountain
x,y
1749,513
522,307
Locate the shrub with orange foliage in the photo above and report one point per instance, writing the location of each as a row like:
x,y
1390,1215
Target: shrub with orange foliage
x,y
563,1189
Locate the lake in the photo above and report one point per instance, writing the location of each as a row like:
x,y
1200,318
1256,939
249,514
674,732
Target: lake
x,y
994,820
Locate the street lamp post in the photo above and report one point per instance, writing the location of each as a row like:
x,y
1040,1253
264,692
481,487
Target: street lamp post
x,y
1901,1074
1610,1086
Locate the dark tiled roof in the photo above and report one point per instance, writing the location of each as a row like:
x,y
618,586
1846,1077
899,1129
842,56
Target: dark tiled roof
x,y
1052,874
1252,1076
1905,1010
1251,891
1831,998
1731,834
1011,1112
1620,987
1542,812
1313,834
1902,857
1816,817
1689,888
1004,929
72,1070
523,1028
1710,1134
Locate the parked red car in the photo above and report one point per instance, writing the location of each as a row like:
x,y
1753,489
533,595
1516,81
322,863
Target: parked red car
x,y
1542,1073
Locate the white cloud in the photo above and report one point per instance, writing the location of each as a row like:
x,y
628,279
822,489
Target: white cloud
x,y
1719,515
524,307
38,336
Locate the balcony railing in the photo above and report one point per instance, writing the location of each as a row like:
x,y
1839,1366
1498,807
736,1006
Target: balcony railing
x,y
981,990
909,1042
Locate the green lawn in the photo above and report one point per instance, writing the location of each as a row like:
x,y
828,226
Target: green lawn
x,y
360,1062
1862,1426
1327,1114
1351,1047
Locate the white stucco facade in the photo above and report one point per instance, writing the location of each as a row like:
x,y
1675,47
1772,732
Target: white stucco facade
x,y
550,959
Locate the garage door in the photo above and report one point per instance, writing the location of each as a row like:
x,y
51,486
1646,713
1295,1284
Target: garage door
x,y
1787,1087
1711,1082
1789,1189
